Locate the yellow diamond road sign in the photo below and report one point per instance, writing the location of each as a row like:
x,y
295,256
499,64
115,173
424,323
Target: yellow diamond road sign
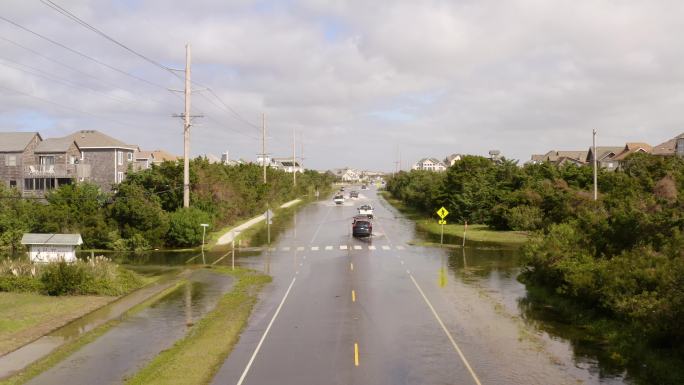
x,y
442,213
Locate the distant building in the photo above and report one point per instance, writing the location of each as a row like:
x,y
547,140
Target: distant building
x,y
451,159
161,156
560,157
495,156
429,164
632,148
287,164
347,174
605,156
672,147
143,160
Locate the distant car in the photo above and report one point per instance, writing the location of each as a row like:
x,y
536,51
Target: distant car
x,y
342,188
364,187
338,199
353,194
366,210
362,226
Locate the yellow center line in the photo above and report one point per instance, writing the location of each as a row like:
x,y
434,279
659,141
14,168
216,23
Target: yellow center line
x,y
356,354
353,296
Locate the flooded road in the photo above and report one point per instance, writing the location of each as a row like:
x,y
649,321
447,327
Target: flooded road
x,y
128,346
379,311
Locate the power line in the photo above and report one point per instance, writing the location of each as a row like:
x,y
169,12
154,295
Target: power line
x,y
92,28
82,54
63,106
54,78
76,70
83,23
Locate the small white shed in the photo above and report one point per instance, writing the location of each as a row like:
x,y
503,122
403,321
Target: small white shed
x,y
52,247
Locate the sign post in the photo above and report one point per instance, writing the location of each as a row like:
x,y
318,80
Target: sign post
x,y
204,230
442,212
465,229
269,217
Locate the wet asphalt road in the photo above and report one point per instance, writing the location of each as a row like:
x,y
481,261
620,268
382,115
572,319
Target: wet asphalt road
x,y
377,311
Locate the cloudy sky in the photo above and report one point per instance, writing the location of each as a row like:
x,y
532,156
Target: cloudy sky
x,y
361,81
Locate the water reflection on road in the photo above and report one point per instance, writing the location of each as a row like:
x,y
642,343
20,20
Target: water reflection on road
x,y
137,339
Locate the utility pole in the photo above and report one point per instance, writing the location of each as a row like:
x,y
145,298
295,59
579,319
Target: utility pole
x,y
263,143
294,156
186,131
595,165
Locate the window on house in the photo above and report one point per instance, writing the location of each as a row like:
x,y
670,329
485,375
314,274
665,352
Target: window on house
x,y
28,184
11,160
13,183
119,157
82,155
72,159
119,177
47,160
130,156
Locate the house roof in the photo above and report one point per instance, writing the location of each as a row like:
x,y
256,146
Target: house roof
x,y
667,148
51,239
604,151
16,141
162,156
144,155
538,157
96,139
55,145
631,148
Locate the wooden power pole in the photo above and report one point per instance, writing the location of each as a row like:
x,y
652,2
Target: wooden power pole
x,y
595,165
294,156
186,131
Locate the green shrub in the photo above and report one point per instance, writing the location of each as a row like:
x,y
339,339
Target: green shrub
x,y
184,227
525,218
62,278
20,284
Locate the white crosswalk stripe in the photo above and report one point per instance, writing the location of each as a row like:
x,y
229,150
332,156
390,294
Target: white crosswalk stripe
x,y
385,247
328,247
343,247
357,247
400,247
371,247
314,248
286,248
300,248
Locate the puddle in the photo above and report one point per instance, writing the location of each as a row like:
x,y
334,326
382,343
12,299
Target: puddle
x,y
132,343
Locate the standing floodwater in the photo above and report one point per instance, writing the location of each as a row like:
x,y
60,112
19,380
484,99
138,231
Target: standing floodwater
x,y
127,347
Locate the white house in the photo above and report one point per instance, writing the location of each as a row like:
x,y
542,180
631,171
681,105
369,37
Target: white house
x,y
451,159
52,247
429,164
347,174
286,164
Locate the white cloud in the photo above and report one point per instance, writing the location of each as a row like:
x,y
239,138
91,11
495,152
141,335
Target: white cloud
x,y
360,79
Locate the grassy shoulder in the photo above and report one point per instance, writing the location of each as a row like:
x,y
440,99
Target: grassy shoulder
x,y
196,358
475,233
69,348
27,316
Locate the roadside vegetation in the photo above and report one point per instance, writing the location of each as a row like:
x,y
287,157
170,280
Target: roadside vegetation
x,y
453,232
622,255
145,210
93,276
196,358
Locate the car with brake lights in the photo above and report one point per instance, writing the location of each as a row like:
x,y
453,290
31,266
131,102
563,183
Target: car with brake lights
x,y
362,226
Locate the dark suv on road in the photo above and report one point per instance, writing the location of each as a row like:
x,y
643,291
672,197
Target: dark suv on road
x,y
353,194
362,226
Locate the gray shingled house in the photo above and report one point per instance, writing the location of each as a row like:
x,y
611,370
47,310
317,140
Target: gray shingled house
x,y
109,159
16,150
